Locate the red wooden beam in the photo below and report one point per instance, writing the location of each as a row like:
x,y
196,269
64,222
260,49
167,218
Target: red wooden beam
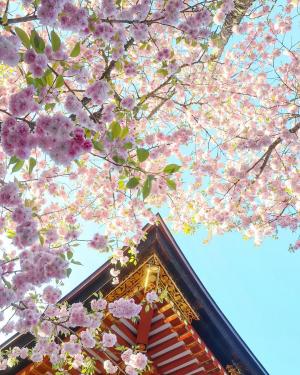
x,y
190,368
160,335
125,330
144,327
170,354
163,346
157,324
172,365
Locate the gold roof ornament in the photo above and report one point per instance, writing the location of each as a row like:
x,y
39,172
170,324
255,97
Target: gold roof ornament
x,y
152,275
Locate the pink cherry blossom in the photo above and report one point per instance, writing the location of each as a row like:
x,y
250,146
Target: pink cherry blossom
x,y
109,367
124,308
109,340
51,295
151,297
8,50
22,102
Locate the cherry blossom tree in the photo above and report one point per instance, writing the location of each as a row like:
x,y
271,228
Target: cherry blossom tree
x,y
113,109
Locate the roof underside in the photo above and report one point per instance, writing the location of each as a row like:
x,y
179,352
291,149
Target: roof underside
x,y
174,346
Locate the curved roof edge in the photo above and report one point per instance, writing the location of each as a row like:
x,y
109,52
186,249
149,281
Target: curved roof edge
x,y
217,332
215,329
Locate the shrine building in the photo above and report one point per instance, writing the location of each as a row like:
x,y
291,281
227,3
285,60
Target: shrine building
x,y
186,334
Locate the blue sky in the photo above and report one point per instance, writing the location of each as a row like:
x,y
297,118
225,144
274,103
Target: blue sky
x,y
258,290
256,287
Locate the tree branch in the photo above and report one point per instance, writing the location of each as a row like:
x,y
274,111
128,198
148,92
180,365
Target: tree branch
x,y
18,20
232,19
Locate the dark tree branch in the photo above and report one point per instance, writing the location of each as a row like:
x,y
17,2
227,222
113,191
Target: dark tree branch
x,y
232,19
18,20
266,156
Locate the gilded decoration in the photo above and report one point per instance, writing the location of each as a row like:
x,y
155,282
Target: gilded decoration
x,y
232,370
151,275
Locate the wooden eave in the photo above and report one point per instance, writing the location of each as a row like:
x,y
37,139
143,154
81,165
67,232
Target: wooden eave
x,y
209,325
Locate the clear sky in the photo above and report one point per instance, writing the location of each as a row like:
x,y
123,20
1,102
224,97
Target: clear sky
x,y
257,288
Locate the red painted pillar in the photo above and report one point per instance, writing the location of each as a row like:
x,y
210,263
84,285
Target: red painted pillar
x,y
144,327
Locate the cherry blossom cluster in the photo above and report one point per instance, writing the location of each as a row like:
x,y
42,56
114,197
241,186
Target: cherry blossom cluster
x,y
73,18
17,140
128,103
60,54
221,13
124,308
135,363
9,50
9,195
57,136
98,242
37,62
196,26
38,265
22,102
26,229
98,92
49,10
65,319
51,295
130,69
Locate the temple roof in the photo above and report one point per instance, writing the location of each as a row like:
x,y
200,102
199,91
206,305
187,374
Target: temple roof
x,y
184,335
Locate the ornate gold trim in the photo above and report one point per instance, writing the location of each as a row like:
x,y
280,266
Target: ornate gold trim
x,y
152,275
232,370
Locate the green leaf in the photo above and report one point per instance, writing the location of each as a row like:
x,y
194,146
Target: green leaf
x,y
69,254
23,37
7,283
87,133
37,42
18,165
76,50
49,106
115,129
121,185
204,46
13,160
38,83
118,159
49,77
10,233
162,72
69,270
133,182
4,19
124,133
29,80
171,168
171,184
147,187
142,154
55,41
59,82
42,239
32,164
98,145
76,262
118,66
